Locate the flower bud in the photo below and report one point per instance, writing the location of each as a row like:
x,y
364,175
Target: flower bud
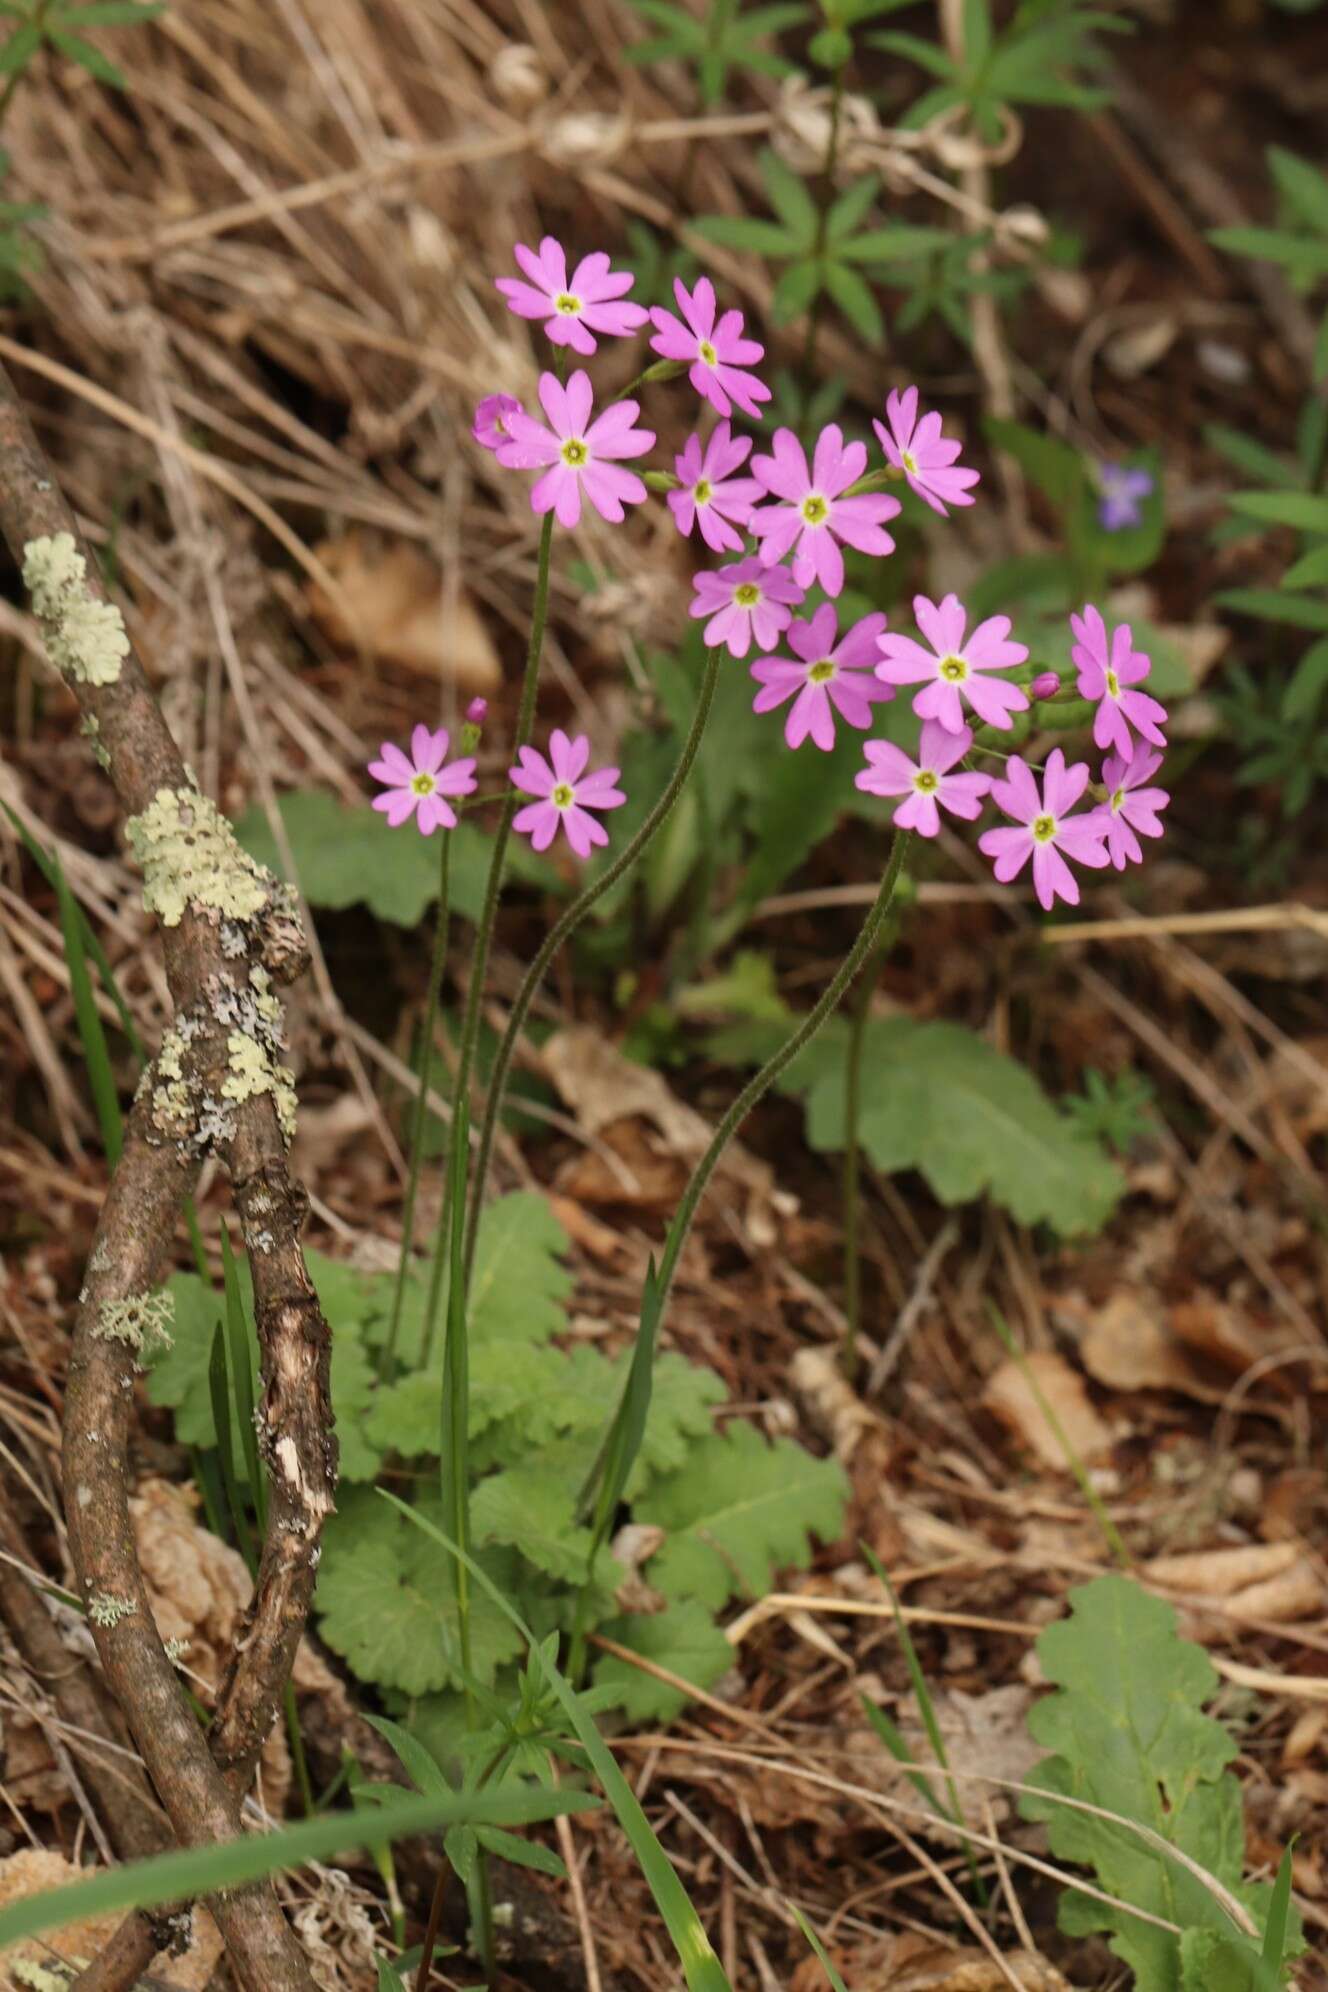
x,y
476,711
470,731
1045,685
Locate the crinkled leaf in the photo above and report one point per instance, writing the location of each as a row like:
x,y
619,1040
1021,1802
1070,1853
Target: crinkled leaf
x,y
388,1605
1130,1735
684,1639
739,1510
529,1507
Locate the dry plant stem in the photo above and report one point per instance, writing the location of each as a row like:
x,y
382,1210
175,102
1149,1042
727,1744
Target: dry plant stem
x,y
137,1224
563,929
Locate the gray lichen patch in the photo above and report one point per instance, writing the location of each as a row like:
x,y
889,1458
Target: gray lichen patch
x,y
104,1608
190,857
253,1070
141,1320
85,639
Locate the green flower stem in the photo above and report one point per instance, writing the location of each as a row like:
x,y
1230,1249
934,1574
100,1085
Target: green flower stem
x,y
421,1116
562,930
851,1188
470,1028
661,370
759,1085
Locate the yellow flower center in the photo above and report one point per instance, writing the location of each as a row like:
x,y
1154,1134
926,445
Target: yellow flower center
x,y
422,784
707,352
954,669
1117,798
701,490
575,453
1113,685
926,782
567,304
822,671
814,510
746,594
910,462
1044,828
563,796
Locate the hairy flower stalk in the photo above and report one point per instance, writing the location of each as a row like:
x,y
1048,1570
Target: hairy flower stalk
x,y
563,929
470,1027
608,1476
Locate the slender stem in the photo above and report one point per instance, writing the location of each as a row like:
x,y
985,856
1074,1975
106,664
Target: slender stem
x,y
852,1170
421,1117
561,931
470,1028
759,1085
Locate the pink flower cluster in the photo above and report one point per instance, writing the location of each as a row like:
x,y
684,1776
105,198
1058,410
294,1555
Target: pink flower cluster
x,y
786,516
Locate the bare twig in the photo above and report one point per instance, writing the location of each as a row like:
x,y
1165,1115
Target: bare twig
x,y
228,933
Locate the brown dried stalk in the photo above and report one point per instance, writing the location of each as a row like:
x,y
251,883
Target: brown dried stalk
x,y
227,934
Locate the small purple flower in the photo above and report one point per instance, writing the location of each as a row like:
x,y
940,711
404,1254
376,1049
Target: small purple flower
x,y
574,309
927,781
1045,685
814,515
1123,492
419,786
717,354
1130,806
745,600
954,672
830,677
712,497
566,794
926,457
1109,668
1046,831
580,453
476,711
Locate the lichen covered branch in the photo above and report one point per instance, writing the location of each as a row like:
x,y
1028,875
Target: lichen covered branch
x,y
230,934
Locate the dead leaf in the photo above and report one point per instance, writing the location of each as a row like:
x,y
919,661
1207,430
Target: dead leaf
x,y
1128,1346
1217,1573
34,1870
985,1735
199,1588
402,614
1011,1396
1229,1335
831,1402
603,1088
1295,1593
911,1962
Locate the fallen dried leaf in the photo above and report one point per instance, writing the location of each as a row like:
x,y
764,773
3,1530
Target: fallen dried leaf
x,y
1128,1346
1011,1396
985,1735
34,1870
1218,1573
830,1401
402,613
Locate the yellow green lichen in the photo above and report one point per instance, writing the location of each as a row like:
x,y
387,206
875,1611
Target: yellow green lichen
x,y
253,1070
85,638
91,731
141,1320
190,858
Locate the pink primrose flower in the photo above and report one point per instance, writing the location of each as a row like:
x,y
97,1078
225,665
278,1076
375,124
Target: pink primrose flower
x,y
491,418
419,786
829,677
923,453
1130,806
814,515
711,496
566,794
574,308
927,781
1045,830
745,600
1045,685
953,672
1109,669
717,355
580,453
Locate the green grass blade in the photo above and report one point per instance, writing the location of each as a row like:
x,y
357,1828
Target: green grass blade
x,y
894,1742
205,1870
239,1348
820,1949
701,1967
219,1387
389,1978
96,1052
1275,1930
48,864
